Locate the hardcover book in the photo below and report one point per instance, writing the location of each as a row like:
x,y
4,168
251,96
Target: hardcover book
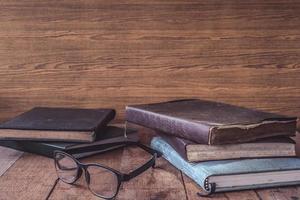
x,y
278,146
208,122
230,175
109,135
57,124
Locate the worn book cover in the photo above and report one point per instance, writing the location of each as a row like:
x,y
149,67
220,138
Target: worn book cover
x,y
58,124
208,122
278,146
230,175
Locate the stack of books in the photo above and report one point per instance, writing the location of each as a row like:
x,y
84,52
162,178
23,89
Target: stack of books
x,y
222,147
42,130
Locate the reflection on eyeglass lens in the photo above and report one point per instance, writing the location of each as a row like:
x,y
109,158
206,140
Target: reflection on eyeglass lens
x,y
102,181
66,168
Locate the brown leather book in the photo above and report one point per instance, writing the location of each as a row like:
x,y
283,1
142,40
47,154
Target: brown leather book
x,y
278,146
57,124
208,122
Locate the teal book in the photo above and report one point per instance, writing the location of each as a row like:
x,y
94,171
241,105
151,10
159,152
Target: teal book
x,y
231,175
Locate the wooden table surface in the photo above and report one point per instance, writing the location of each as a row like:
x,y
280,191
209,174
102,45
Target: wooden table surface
x,y
29,176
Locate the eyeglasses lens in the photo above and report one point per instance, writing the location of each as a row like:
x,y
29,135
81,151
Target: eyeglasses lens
x,y
66,168
103,182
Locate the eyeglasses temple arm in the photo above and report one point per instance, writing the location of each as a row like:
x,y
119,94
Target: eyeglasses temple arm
x,y
147,165
149,149
141,169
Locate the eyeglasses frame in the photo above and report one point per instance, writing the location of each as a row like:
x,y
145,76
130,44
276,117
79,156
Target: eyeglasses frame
x,y
121,177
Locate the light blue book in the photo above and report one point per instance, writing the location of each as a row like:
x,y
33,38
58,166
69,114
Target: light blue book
x,y
230,175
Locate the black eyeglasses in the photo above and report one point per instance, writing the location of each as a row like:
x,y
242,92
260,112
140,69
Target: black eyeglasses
x,y
102,181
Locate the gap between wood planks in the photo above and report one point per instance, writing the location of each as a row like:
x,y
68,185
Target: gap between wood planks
x,y
7,158
187,198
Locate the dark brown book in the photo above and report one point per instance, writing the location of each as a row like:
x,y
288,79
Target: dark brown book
x,y
208,122
57,124
278,146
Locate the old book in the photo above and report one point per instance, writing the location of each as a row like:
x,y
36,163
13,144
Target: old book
x,y
57,124
230,175
208,122
109,135
278,146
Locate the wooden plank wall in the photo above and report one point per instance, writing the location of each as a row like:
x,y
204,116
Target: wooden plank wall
x,y
99,53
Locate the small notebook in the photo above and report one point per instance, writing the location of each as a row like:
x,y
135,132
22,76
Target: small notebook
x,y
230,175
109,134
57,124
278,146
209,122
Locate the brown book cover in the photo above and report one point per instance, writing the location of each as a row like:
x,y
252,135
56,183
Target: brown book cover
x,y
208,122
278,146
57,124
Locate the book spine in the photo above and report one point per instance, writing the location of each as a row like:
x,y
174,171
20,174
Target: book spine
x,y
199,176
193,131
246,133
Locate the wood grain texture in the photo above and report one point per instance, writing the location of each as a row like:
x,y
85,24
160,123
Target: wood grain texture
x,y
31,177
109,54
280,193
